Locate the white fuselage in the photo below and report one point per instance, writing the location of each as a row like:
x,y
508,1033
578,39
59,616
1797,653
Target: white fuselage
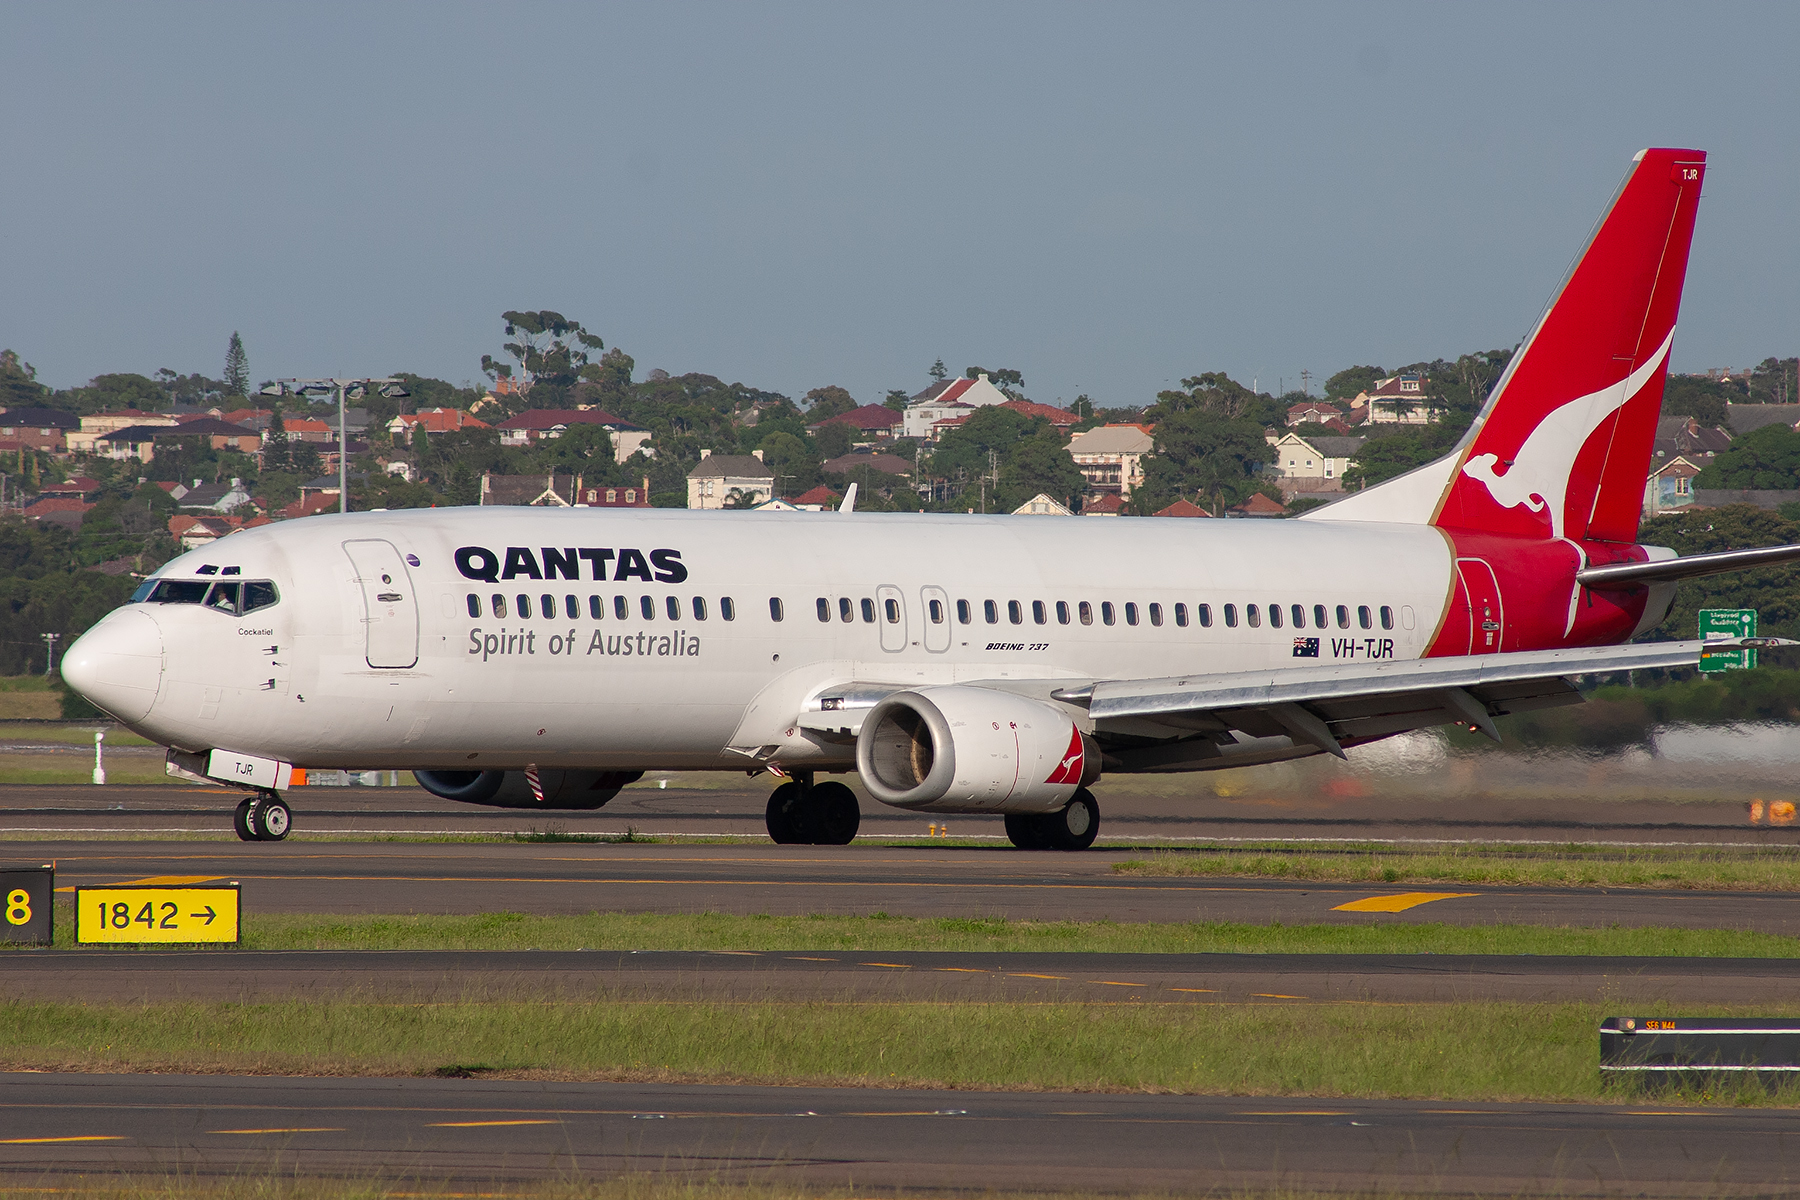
x,y
294,681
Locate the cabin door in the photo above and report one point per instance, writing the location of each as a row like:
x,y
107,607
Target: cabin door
x,y
390,610
1487,618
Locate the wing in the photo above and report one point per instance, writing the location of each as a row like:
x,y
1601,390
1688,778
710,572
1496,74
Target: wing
x,y
1196,722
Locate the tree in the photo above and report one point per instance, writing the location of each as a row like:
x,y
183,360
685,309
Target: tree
x,y
551,351
1766,458
896,400
833,439
1041,463
19,387
1699,397
237,367
795,464
1216,458
1352,380
1216,394
1010,382
1773,591
938,370
275,443
823,403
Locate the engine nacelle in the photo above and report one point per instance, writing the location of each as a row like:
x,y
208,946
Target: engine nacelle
x,y
510,789
967,749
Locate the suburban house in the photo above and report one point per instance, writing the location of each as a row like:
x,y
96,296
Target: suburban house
x,y
66,511
1398,400
945,399
305,429
43,429
1182,508
546,491
1742,418
1315,462
1106,504
1111,458
139,441
1042,505
96,425
434,420
1258,505
194,532
537,424
80,487
817,500
213,497
596,496
1670,486
1686,437
719,479
870,421
1313,412
887,464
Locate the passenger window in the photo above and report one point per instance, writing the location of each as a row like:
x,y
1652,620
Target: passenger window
x,y
1387,617
1252,617
1156,614
1015,612
846,610
179,591
548,607
1130,613
1087,613
1038,614
673,605
1062,612
727,608
1363,618
1343,617
524,607
1106,612
499,606
936,610
621,607
224,598
1274,616
572,608
1231,616
699,608
647,606
824,607
1299,616
991,611
891,608
962,612
261,594
1320,619
868,610
596,610
1204,612
775,609
1181,615
474,605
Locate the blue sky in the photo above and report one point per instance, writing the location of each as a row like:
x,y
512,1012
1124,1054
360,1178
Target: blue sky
x,y
1106,197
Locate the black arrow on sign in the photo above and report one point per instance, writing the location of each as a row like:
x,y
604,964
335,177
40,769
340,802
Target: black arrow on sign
x,y
209,914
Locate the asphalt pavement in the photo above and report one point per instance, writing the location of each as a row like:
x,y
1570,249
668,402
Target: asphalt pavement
x,y
484,1131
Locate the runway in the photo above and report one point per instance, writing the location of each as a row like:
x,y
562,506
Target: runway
x,y
483,1131
430,976
922,881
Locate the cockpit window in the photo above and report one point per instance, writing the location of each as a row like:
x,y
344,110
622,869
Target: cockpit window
x,y
234,597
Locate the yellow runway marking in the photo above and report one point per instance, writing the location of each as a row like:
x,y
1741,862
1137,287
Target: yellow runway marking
x,y
1297,1112
962,970
480,1124
43,1141
1116,983
168,881
1210,991
1275,996
1029,975
1400,902
900,966
297,1129
803,958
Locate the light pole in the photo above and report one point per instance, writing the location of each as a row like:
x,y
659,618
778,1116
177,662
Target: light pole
x,y
354,389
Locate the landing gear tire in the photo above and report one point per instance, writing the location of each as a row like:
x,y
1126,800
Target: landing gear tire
x,y
787,816
1074,828
269,818
240,820
835,814
1025,830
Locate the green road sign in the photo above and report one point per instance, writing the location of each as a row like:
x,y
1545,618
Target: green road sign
x,y
1727,623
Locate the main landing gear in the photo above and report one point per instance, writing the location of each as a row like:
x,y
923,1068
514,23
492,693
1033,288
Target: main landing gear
x,y
804,813
264,817
1074,828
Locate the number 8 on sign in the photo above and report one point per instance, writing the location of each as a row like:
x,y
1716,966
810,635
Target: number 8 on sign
x,y
18,907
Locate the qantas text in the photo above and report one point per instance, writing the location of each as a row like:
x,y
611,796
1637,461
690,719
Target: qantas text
x,y
519,562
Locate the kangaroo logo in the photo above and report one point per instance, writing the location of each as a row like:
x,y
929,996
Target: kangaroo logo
x,y
1069,770
1538,476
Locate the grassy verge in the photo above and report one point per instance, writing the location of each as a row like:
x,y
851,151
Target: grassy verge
x,y
1518,1051
71,732
1775,869
719,931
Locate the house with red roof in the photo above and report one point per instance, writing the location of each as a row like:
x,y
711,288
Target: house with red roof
x,y
1258,505
871,421
945,399
817,500
66,511
1312,411
1182,508
1105,504
538,424
434,420
81,487
1398,400
309,506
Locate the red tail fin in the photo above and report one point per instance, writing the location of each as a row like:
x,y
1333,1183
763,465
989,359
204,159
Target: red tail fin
x,y
1563,446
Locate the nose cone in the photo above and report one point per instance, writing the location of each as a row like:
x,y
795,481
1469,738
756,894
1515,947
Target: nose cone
x,y
117,665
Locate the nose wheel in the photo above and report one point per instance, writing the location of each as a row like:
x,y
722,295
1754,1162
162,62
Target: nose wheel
x,y
264,817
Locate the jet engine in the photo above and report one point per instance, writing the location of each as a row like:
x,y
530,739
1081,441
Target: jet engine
x,y
510,789
968,749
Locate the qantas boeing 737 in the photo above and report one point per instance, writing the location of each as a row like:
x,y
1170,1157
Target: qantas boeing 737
x,y
544,658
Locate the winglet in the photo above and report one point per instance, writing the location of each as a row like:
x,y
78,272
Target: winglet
x,y
849,504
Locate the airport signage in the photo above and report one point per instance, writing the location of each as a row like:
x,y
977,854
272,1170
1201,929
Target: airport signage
x,y
27,919
134,916
1720,623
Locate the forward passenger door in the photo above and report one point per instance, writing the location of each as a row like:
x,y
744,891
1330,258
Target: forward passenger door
x,y
390,609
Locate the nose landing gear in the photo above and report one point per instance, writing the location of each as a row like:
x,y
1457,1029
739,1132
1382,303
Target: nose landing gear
x,y
264,817
802,813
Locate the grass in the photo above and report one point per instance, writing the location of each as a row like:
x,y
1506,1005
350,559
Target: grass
x,y
885,934
1774,869
71,732
1490,1051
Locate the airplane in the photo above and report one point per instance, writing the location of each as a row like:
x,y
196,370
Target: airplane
x,y
545,658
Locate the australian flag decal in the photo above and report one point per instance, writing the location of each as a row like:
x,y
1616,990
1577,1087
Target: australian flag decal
x,y
1306,647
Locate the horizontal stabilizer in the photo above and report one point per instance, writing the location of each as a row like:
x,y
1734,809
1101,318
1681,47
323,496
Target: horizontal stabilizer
x,y
1628,575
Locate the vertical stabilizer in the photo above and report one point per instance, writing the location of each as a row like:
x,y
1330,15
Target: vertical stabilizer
x,y
1562,447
